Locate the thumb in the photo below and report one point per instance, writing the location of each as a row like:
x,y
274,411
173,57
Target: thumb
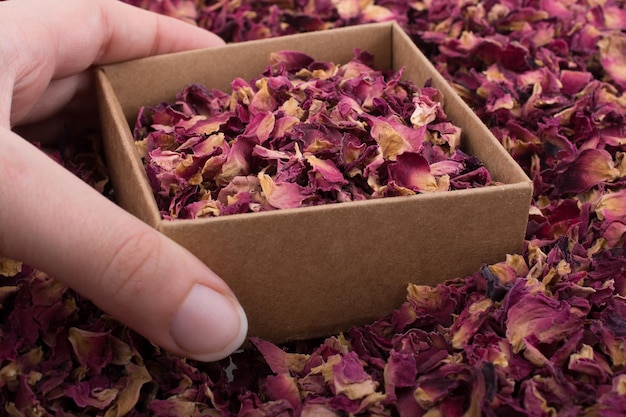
x,y
53,221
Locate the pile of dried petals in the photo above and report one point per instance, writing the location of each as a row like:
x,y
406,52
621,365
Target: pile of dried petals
x,y
540,334
303,133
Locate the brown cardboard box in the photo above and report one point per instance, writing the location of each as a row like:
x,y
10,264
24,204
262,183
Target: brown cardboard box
x,y
309,272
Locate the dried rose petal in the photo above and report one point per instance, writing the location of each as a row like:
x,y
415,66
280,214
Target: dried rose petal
x,y
470,320
536,317
612,56
9,267
412,171
590,168
612,207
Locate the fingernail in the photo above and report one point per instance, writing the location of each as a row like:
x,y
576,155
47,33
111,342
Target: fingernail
x,y
209,325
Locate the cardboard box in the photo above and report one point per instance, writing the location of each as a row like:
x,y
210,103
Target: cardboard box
x,y
316,271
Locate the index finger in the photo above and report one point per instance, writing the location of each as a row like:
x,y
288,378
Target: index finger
x,y
75,34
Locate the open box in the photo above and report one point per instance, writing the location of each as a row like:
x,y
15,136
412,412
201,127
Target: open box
x,y
315,271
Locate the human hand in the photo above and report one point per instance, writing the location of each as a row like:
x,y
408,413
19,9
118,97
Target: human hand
x,y
54,222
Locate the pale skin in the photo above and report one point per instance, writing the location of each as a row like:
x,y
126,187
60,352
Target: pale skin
x,y
53,221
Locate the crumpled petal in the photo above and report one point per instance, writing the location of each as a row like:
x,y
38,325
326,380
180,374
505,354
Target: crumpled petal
x,y
282,195
412,171
590,168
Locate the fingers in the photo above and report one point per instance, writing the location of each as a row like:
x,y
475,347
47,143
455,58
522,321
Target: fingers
x,y
65,37
141,33
53,221
75,34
